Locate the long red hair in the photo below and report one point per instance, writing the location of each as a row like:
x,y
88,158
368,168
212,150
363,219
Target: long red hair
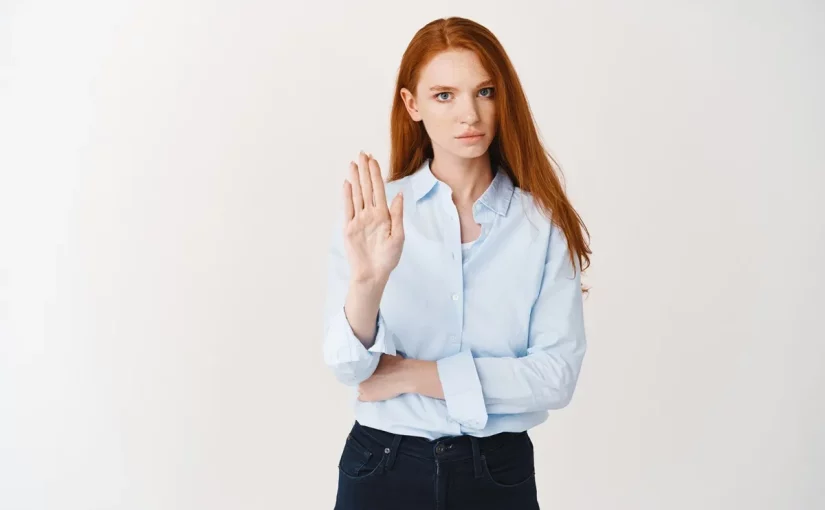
x,y
516,147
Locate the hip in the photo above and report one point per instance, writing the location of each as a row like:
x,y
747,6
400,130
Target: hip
x,y
379,469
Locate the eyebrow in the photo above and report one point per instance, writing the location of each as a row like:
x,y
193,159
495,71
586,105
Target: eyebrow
x,y
444,88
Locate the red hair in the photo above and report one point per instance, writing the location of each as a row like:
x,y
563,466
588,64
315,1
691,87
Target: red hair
x,y
516,147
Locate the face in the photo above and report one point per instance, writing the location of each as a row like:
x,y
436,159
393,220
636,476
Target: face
x,y
454,99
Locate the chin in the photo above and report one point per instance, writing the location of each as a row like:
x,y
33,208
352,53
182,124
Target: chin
x,y
472,151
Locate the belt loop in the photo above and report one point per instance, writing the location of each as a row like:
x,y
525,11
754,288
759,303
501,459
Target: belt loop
x,y
476,456
393,450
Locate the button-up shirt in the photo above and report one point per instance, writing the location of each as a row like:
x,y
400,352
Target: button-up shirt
x,y
501,316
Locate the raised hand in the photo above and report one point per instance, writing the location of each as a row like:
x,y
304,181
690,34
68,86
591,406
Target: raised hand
x,y
373,232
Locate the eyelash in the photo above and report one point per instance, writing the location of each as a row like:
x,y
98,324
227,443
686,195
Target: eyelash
x,y
491,89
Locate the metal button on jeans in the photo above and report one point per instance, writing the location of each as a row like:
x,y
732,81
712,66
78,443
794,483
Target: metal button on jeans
x,y
439,448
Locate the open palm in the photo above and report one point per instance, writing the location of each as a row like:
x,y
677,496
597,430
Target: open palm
x,y
373,232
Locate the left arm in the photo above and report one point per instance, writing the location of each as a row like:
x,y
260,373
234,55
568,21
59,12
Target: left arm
x,y
543,379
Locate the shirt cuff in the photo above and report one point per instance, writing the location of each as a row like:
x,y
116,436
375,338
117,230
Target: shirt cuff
x,y
342,346
462,390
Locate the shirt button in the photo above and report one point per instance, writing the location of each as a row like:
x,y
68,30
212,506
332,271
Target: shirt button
x,y
455,297
452,338
453,254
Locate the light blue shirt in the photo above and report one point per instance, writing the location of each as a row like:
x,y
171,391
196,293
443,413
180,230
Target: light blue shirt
x,y
502,316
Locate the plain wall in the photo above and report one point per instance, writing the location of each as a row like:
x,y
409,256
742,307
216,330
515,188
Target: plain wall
x,y
169,171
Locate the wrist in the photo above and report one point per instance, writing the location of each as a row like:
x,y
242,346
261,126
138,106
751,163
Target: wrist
x,y
368,286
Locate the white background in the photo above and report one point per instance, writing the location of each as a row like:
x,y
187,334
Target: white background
x,y
169,171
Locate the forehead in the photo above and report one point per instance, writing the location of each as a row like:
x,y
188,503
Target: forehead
x,y
456,68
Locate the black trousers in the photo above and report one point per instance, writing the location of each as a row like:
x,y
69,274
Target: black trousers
x,y
379,470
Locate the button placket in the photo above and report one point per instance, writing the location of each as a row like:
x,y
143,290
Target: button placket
x,y
456,255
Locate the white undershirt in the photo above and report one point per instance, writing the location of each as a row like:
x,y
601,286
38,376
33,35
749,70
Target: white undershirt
x,y
465,248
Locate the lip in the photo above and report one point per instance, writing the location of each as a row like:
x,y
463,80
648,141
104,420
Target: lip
x,y
470,135
470,139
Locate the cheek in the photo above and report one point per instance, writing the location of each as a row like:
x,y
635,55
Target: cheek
x,y
436,123
488,113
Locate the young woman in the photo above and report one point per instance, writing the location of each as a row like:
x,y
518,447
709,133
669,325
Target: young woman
x,y
454,295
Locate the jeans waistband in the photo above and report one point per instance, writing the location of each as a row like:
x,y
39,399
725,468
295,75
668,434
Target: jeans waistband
x,y
446,448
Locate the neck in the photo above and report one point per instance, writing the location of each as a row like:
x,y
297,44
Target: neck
x,y
467,178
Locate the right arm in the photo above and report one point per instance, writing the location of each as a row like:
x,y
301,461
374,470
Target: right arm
x,y
354,331
362,254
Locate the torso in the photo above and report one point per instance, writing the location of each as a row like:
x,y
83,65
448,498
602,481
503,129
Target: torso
x,y
446,296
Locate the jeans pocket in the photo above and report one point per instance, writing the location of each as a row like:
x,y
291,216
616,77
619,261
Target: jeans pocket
x,y
359,461
511,466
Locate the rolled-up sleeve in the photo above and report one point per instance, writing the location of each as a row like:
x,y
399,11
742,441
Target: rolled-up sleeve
x,y
462,390
351,361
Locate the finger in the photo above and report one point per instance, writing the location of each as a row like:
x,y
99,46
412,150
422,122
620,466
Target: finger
x,y
349,209
366,182
378,185
397,216
355,184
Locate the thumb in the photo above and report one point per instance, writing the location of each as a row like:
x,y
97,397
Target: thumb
x,y
397,215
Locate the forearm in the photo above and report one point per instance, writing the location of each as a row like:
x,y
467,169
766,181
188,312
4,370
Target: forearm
x,y
422,377
474,387
361,309
354,331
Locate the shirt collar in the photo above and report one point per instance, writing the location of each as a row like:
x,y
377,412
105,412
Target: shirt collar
x,y
497,197
423,181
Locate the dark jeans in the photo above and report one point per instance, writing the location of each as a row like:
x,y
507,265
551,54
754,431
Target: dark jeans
x,y
379,470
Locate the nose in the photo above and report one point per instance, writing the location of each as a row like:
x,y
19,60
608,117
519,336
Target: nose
x,y
469,112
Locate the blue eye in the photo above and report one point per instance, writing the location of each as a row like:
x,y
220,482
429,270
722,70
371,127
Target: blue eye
x,y
445,96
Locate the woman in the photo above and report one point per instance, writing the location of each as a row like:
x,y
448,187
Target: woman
x,y
455,301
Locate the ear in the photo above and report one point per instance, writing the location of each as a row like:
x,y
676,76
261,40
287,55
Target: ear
x,y
409,102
